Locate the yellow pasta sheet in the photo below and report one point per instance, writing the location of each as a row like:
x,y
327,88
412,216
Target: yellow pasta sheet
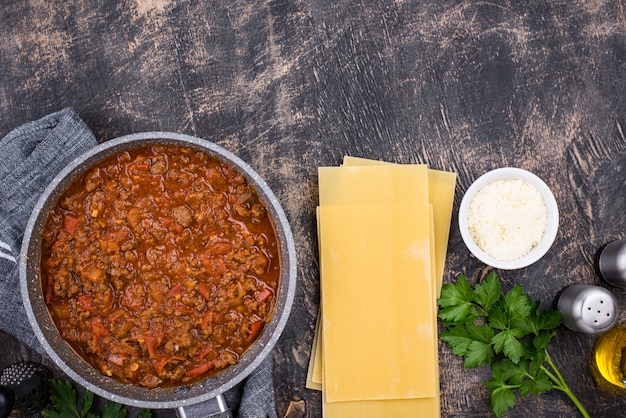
x,y
428,407
441,185
351,188
390,184
419,408
375,260
375,334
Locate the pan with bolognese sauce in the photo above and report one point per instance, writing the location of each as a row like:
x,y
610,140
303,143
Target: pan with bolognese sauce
x,y
158,270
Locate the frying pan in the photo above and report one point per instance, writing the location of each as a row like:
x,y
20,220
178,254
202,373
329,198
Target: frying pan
x,y
207,391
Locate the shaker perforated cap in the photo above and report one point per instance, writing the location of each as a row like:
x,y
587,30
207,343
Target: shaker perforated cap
x,y
588,309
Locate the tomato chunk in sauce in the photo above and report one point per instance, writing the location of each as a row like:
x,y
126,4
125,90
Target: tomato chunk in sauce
x,y
160,265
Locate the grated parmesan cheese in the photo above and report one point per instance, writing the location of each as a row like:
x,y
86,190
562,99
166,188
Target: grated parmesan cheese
x,y
507,218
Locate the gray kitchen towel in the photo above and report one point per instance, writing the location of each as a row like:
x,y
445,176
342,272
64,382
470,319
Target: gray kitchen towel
x,y
30,157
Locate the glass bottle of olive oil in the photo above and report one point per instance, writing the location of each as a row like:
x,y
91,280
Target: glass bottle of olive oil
x,y
610,356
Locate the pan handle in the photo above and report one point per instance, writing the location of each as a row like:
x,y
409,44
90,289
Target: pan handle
x,y
215,407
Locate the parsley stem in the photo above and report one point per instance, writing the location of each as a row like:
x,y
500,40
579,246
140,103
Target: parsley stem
x,y
482,311
560,384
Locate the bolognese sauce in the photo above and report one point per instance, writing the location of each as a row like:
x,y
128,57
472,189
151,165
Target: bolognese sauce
x,y
160,265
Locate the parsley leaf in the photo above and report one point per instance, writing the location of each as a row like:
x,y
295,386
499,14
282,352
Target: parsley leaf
x,y
508,343
498,318
478,353
507,377
549,320
63,397
65,402
482,333
457,339
488,292
86,403
517,304
505,331
541,341
113,410
538,383
501,397
456,302
507,371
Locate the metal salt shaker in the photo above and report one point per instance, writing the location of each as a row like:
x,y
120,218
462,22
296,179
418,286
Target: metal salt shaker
x,y
611,263
588,309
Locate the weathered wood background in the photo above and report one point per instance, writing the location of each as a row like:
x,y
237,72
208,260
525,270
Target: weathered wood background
x,y
291,85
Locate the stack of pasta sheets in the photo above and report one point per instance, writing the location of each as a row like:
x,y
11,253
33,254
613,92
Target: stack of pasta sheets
x,y
383,232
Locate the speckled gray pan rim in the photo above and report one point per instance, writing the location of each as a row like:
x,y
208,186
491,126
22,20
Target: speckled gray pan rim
x,y
76,368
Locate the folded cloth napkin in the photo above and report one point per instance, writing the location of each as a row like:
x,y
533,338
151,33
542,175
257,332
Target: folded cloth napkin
x,y
32,155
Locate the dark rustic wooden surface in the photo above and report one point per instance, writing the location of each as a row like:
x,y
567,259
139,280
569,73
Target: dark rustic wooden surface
x,y
291,85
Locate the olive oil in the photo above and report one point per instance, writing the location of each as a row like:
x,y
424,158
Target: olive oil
x,y
610,356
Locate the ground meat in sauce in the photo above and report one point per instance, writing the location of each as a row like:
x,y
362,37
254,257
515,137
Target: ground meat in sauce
x,y
160,266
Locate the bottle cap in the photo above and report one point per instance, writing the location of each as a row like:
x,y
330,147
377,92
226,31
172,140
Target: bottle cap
x,y
588,309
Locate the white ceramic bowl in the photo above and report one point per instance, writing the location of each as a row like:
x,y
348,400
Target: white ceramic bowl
x,y
549,235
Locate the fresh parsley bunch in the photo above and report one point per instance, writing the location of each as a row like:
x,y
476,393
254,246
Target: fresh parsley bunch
x,y
64,399
506,331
